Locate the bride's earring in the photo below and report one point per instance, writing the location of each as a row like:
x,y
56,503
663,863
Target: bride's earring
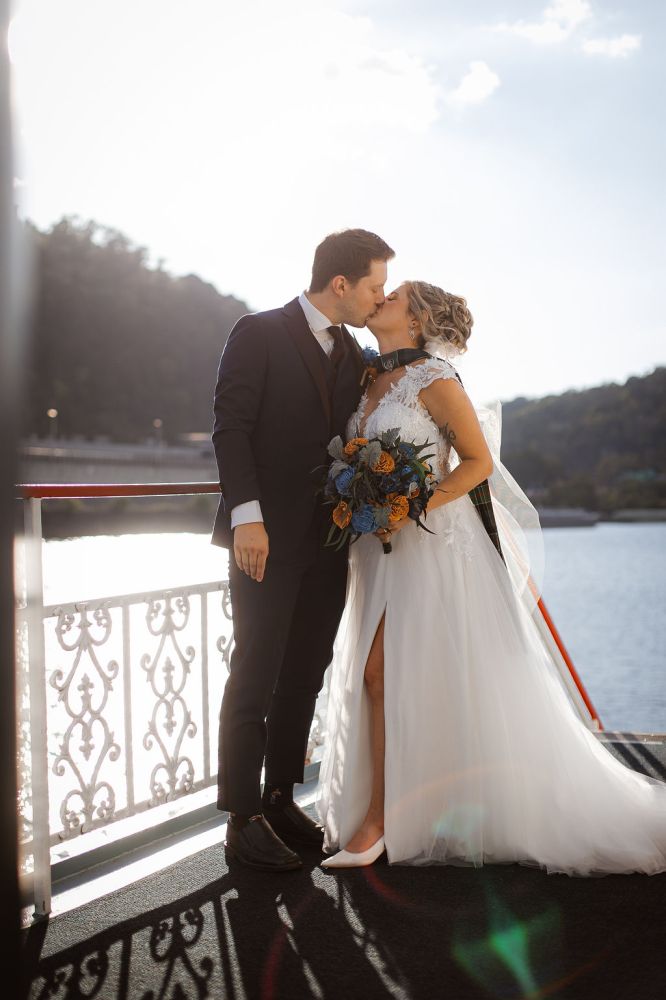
x,y
412,333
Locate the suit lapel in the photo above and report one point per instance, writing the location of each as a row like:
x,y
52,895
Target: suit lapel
x,y
310,351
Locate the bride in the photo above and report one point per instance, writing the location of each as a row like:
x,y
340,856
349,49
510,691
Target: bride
x,y
451,738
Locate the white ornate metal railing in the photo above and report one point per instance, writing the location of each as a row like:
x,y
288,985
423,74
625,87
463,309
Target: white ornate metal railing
x,y
119,698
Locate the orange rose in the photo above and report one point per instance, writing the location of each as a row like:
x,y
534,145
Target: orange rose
x,y
384,463
399,509
352,446
342,515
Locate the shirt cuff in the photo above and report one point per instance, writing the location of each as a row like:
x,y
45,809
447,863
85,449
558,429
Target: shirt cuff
x,y
244,513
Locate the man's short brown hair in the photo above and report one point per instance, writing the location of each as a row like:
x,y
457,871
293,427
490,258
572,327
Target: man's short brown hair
x,y
350,253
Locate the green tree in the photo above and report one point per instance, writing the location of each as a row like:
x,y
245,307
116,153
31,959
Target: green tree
x,y
116,343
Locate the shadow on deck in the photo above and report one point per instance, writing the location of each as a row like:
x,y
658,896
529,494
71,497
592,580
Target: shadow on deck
x,y
201,929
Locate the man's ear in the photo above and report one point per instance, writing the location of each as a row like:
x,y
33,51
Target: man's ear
x,y
338,284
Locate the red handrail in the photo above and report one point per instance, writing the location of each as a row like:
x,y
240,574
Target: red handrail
x,y
59,491
567,659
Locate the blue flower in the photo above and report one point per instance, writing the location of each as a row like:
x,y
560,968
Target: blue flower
x,y
410,475
343,480
363,521
407,449
370,355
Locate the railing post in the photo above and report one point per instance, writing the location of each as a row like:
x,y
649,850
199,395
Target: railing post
x,y
127,702
205,692
38,711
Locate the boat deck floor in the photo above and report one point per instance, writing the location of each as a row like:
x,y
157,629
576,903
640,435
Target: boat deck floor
x,y
201,928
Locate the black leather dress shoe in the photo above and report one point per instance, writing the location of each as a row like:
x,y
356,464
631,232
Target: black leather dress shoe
x,y
294,825
258,846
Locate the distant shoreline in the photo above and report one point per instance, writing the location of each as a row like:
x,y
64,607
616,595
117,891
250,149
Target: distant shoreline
x,y
574,517
66,524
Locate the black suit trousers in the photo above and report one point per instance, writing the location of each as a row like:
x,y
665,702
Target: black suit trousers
x,y
284,630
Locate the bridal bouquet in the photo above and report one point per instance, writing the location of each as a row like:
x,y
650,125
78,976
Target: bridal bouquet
x,y
375,482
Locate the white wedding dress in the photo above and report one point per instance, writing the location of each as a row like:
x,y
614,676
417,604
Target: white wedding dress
x,y
486,759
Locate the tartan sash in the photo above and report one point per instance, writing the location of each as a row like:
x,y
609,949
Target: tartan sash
x,y
483,504
480,497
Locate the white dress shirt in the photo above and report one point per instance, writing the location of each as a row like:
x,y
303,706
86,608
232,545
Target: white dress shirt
x,y
244,513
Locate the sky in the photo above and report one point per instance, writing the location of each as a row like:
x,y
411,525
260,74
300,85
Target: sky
x,y
512,152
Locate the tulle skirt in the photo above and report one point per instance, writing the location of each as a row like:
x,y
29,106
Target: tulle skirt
x,y
486,759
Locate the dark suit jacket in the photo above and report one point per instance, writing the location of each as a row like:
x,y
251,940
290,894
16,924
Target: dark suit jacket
x,y
274,418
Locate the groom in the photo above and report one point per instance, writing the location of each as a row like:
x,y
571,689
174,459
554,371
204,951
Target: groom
x,y
288,381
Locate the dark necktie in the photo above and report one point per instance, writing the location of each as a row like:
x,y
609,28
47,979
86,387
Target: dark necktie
x,y
338,351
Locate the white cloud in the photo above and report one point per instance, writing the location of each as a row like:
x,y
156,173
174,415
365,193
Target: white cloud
x,y
476,85
616,48
557,23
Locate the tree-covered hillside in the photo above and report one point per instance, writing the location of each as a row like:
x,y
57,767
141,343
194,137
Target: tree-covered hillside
x,y
600,448
118,344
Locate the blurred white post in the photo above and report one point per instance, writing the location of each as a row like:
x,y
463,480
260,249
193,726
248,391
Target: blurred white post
x,y
15,296
39,760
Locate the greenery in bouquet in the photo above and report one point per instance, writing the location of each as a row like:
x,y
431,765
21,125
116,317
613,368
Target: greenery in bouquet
x,y
375,482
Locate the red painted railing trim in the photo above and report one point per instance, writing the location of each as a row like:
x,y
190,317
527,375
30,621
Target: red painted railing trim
x,y
60,491
567,659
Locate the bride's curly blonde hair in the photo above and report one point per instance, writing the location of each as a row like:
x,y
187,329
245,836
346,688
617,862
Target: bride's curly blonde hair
x,y
444,318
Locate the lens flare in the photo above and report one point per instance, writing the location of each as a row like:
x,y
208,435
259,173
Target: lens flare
x,y
460,822
514,953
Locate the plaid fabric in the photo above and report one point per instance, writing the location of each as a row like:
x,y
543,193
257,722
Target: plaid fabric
x,y
480,497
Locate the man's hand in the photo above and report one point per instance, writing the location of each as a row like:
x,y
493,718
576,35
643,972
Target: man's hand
x,y
251,548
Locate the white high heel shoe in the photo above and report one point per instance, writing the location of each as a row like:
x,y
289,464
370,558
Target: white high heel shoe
x,y
355,859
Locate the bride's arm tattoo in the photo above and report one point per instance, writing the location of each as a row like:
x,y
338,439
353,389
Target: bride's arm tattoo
x,y
449,436
449,433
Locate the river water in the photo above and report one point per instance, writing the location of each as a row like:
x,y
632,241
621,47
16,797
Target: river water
x,y
605,587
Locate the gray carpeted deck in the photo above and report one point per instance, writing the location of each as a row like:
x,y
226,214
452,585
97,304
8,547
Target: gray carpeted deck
x,y
199,929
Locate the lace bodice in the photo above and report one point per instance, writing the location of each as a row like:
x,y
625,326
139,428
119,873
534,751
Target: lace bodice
x,y
401,407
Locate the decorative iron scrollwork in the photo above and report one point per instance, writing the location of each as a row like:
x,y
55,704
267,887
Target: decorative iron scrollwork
x,y
92,722
93,801
174,774
225,643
